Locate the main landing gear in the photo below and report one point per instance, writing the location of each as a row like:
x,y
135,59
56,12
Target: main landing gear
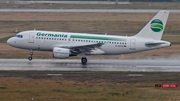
x,y
31,54
83,60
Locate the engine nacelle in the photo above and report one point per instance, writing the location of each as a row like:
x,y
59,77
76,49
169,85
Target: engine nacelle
x,y
61,53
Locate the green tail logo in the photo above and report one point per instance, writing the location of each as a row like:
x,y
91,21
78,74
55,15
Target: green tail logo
x,y
157,25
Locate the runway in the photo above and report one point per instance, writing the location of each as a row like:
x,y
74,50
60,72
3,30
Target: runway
x,y
149,65
70,2
89,10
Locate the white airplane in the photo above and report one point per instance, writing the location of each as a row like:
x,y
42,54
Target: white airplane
x,y
66,44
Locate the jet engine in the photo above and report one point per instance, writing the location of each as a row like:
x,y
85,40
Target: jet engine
x,y
61,53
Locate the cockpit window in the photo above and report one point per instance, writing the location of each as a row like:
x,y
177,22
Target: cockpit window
x,y
19,36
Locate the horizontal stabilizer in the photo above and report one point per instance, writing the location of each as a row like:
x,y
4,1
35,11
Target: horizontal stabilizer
x,y
151,44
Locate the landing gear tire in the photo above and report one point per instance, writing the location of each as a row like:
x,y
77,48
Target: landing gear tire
x,y
83,60
31,54
30,58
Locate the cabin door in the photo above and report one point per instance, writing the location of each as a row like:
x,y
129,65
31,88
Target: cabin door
x,y
31,37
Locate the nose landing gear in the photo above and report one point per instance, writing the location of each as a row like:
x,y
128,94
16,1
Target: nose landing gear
x,y
31,54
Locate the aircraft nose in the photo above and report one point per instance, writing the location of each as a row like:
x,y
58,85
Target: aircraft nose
x,y
10,41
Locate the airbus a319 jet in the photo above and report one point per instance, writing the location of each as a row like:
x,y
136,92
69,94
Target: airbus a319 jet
x,y
67,44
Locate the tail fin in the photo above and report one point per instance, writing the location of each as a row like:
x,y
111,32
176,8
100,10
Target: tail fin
x,y
155,28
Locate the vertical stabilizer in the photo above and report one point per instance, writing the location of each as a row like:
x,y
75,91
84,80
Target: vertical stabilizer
x,y
155,27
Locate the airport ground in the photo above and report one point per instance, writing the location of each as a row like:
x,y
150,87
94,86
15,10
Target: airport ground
x,y
83,85
131,5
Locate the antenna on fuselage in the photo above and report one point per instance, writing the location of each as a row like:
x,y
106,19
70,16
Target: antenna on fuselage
x,y
105,33
35,29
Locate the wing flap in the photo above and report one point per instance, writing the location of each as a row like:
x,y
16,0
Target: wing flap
x,y
88,45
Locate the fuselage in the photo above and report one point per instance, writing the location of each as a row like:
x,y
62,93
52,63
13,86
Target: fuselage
x,y
111,45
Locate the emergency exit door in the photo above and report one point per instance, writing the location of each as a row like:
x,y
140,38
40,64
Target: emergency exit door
x,y
132,44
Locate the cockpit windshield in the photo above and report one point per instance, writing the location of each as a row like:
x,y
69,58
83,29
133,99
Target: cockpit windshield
x,y
19,36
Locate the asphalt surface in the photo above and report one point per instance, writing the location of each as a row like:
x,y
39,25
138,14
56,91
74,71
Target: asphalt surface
x,y
149,65
70,2
88,10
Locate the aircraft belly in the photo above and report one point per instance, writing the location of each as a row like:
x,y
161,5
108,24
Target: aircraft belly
x,y
113,50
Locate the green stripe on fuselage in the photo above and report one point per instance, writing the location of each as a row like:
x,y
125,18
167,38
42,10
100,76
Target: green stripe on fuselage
x,y
96,38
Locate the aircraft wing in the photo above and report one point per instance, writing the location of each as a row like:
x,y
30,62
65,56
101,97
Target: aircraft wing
x,y
86,48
